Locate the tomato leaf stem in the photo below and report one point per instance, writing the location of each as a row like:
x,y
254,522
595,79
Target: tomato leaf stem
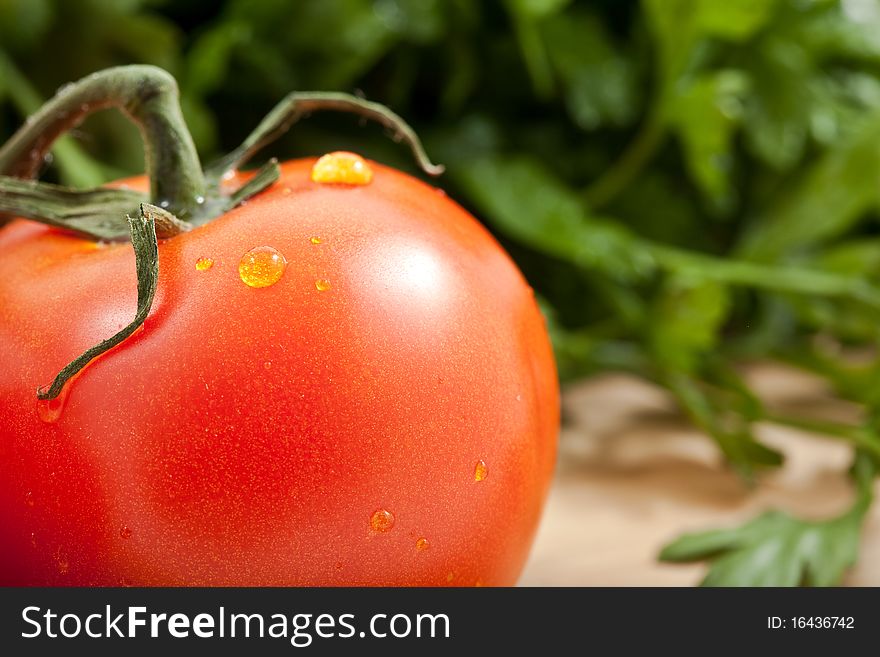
x,y
265,176
298,105
146,252
148,96
94,213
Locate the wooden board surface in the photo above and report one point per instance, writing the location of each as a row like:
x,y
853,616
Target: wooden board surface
x,y
633,474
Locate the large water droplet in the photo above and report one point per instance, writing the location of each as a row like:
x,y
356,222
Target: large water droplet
x,y
382,521
480,471
342,167
322,285
261,266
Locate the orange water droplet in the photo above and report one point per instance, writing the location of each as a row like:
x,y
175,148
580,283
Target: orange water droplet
x,y
480,471
49,410
286,191
422,544
342,167
322,285
382,521
29,498
204,264
125,532
268,365
315,240
261,266
478,584
450,577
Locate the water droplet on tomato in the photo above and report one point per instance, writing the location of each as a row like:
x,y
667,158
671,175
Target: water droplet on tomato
x,y
268,364
450,577
286,191
125,532
422,544
315,240
519,398
342,167
29,498
261,266
204,264
33,540
61,561
49,410
480,471
322,285
382,521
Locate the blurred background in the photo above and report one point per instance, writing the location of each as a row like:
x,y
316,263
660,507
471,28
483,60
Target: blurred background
x,y
691,187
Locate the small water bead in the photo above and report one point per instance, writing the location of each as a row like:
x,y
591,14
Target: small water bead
x,y
61,561
422,544
450,577
382,521
322,285
342,167
29,498
125,532
480,471
315,240
261,266
204,264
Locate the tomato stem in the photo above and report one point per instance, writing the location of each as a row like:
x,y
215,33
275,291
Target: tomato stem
x,y
300,104
145,94
146,251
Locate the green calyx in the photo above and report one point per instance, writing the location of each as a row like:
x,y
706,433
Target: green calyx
x,y
182,195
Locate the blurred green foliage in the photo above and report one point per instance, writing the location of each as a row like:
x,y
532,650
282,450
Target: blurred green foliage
x,y
686,183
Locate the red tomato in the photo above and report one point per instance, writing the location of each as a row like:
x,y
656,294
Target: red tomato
x,y
385,413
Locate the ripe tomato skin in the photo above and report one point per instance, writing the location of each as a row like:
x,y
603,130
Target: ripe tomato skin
x,y
247,435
